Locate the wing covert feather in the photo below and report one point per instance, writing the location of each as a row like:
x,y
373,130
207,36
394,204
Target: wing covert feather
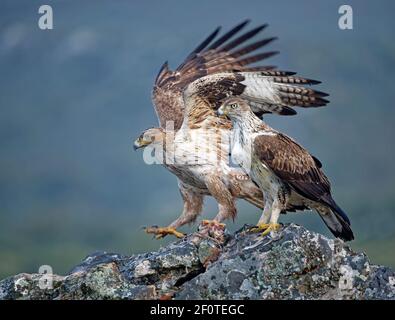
x,y
294,165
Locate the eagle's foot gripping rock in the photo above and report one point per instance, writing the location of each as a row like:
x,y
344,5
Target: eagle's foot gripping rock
x,y
265,228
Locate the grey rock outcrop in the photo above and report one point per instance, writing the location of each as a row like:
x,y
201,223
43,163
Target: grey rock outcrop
x,y
293,264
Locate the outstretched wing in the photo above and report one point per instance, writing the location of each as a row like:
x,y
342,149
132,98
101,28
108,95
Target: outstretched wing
x,y
269,91
223,56
294,165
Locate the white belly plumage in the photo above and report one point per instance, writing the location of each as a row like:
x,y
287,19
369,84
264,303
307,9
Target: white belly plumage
x,y
259,172
199,152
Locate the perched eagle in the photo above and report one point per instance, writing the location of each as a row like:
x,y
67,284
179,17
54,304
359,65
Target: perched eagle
x,y
287,174
186,101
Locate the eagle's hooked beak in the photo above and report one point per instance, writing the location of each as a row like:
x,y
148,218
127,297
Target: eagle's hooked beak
x,y
221,111
140,143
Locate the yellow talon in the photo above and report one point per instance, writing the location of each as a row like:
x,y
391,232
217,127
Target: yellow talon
x,y
213,223
259,227
271,227
160,232
265,227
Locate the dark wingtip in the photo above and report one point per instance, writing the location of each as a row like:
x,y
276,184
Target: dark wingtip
x,y
215,32
243,38
320,93
322,101
287,111
312,81
228,35
205,42
259,28
243,23
290,113
289,73
262,26
267,55
163,66
212,35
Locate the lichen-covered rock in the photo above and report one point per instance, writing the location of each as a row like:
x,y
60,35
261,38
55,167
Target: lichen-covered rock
x,y
292,264
297,264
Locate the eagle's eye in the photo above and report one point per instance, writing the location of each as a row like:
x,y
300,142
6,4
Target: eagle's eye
x,y
233,105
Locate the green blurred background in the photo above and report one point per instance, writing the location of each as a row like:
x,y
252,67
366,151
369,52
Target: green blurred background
x,y
72,99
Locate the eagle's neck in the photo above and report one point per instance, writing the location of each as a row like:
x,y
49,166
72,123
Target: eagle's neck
x,y
242,140
245,127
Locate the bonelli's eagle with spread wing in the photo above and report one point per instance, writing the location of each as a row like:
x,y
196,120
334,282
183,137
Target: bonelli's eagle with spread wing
x,y
197,141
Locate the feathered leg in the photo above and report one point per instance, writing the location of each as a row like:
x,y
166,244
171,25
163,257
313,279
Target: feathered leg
x,y
226,206
265,217
263,222
226,201
269,220
193,203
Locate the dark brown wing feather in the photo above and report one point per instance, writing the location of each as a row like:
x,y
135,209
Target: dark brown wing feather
x,y
223,55
204,60
294,165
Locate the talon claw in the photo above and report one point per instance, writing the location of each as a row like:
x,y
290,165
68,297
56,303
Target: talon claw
x,y
271,227
258,228
160,232
213,223
265,227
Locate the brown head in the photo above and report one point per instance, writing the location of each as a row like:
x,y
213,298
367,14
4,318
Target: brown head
x,y
149,136
234,108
